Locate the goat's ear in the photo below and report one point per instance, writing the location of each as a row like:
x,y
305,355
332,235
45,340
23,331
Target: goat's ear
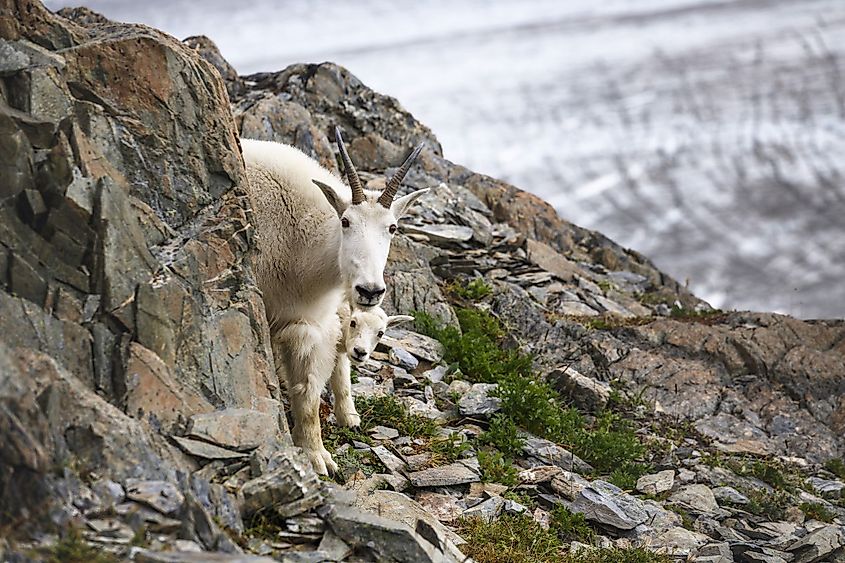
x,y
331,197
396,319
400,206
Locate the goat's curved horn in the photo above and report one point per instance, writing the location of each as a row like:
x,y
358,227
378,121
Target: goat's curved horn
x,y
349,169
386,197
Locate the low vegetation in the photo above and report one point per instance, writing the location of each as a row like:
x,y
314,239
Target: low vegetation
x,y
72,548
519,539
836,466
606,441
472,290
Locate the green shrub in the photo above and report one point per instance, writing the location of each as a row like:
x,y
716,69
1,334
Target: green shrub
x,y
496,468
385,410
448,448
836,466
626,475
72,548
503,435
473,290
476,348
817,511
519,539
571,526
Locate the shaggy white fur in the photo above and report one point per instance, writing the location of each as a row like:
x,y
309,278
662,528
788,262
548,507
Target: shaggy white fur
x,y
315,247
361,332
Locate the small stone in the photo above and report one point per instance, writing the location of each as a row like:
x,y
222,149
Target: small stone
x,y
488,510
435,374
550,453
388,459
607,504
458,387
160,495
402,358
391,541
205,450
442,234
110,493
698,498
537,475
656,483
479,400
729,495
568,484
446,508
421,346
827,488
404,380
513,507
678,542
335,548
457,473
148,556
585,392
291,488
685,475
383,433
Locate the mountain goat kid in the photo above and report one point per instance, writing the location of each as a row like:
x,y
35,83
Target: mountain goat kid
x,y
319,242
361,332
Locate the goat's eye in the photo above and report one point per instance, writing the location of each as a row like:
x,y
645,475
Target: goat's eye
x,y
353,324
344,222
392,229
380,333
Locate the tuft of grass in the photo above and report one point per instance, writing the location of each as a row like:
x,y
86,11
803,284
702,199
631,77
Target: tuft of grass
x,y
779,475
448,449
571,526
509,539
626,475
473,290
817,511
503,435
72,548
386,410
683,313
496,468
836,466
520,539
771,505
522,497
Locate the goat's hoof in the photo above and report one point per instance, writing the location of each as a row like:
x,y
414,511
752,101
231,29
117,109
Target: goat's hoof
x,y
322,461
352,420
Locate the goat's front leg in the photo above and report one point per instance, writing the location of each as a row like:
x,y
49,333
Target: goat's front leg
x,y
344,406
309,360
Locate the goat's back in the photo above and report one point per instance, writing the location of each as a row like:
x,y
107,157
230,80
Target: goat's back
x,y
296,260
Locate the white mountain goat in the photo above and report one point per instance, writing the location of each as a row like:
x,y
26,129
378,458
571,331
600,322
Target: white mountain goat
x,y
361,331
319,241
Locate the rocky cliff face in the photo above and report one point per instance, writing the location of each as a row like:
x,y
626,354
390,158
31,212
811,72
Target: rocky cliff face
x,y
137,397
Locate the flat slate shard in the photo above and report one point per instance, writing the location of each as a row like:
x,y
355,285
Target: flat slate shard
x,y
291,488
479,400
205,450
421,346
160,495
458,473
551,454
239,429
448,234
818,545
607,504
147,556
391,541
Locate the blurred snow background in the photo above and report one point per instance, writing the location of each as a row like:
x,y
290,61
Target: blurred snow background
x,y
706,134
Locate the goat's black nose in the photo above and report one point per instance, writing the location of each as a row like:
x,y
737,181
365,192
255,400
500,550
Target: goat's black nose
x,y
370,292
359,352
